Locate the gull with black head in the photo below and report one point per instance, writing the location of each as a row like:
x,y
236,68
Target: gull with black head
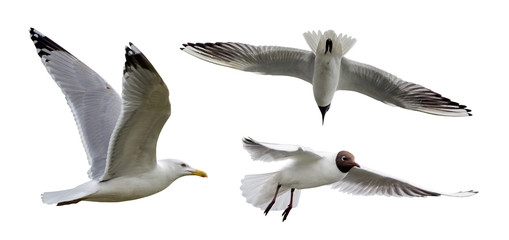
x,y
280,190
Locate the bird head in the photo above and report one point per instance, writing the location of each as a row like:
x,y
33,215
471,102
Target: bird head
x,y
345,161
181,168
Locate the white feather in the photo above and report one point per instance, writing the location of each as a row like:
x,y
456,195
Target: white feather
x,y
269,152
78,192
259,190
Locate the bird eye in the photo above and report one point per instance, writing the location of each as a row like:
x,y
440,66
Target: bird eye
x,y
343,158
183,165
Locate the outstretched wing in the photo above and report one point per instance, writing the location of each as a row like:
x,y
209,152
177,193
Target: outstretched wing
x,y
269,152
145,109
93,102
389,89
271,60
361,181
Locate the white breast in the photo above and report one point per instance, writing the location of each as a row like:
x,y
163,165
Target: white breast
x,y
311,174
132,187
326,78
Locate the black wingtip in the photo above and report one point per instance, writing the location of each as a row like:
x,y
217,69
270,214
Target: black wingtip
x,y
43,44
247,140
135,58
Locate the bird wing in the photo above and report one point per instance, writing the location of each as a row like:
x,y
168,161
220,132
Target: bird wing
x,y
145,109
270,60
93,102
391,90
361,181
269,152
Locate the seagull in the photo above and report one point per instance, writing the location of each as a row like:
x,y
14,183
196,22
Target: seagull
x,y
119,137
326,68
308,169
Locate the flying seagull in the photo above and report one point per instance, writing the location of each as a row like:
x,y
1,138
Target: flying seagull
x,y
119,136
326,68
308,169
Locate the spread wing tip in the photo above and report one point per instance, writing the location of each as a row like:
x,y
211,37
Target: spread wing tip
x,y
43,44
248,141
462,193
135,58
439,105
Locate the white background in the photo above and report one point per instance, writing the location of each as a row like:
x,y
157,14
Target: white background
x,y
456,48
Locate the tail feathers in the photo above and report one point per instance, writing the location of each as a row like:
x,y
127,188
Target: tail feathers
x,y
259,190
69,196
313,39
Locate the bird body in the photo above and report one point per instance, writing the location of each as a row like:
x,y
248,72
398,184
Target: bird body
x,y
309,169
326,68
310,174
119,134
326,74
122,188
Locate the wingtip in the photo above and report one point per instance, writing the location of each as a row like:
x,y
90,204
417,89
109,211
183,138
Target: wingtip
x,y
463,193
33,32
44,44
247,140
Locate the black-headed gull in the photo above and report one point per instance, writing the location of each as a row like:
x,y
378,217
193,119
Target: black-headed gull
x,y
119,137
281,189
326,68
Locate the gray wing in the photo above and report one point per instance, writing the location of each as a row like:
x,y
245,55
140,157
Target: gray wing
x,y
361,181
270,60
93,102
145,109
269,152
389,89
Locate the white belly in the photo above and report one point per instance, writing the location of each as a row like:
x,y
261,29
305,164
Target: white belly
x,y
325,80
310,175
129,187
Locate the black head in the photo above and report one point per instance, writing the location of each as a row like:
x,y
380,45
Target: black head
x,y
345,161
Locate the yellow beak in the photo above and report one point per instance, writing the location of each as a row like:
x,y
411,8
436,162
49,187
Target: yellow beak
x,y
198,173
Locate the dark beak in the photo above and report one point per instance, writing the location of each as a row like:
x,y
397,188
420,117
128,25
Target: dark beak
x,y
328,46
324,110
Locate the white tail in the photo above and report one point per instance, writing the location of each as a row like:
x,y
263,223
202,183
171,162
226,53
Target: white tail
x,y
313,39
69,196
259,189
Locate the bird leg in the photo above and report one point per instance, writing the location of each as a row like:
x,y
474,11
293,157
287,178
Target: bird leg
x,y
273,200
287,210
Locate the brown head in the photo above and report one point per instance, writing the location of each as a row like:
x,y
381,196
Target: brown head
x,y
345,161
